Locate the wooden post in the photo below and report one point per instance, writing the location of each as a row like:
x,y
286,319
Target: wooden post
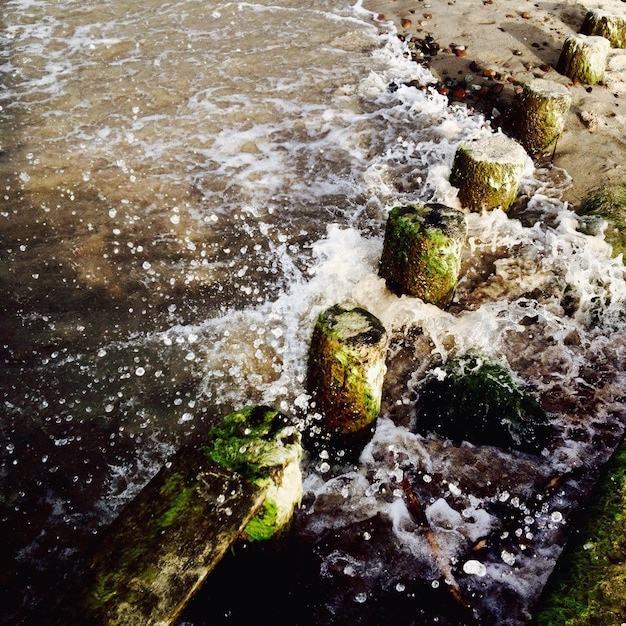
x,y
488,171
346,371
583,58
605,24
157,553
543,106
422,251
153,558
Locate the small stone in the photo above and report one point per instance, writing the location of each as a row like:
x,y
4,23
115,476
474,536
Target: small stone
x,y
489,73
458,92
460,52
517,53
406,23
526,15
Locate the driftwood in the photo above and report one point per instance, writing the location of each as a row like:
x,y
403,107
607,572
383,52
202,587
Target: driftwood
x,y
419,517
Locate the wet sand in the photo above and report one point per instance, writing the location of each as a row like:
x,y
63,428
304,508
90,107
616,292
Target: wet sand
x,y
508,42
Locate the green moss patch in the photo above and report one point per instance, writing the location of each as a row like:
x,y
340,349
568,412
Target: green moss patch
x,y
477,400
588,585
263,446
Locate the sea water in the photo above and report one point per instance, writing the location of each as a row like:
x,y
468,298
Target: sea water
x,y
185,186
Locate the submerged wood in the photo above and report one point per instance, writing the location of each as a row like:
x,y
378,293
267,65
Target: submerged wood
x,y
588,584
487,172
543,107
161,548
583,58
346,371
422,251
605,24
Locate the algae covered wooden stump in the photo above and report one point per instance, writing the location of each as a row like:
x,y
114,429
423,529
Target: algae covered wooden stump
x,y
156,554
346,370
588,584
422,251
488,171
583,58
611,26
543,107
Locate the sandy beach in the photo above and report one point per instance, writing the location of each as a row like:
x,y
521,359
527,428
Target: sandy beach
x,y
501,44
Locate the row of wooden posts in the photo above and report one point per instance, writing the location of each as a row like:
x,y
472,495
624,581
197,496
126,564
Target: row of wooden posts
x,y
246,481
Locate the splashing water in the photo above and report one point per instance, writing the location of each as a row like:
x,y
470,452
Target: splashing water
x,y
185,188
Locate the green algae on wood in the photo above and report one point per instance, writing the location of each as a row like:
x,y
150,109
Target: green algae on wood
x,y
422,251
611,26
609,203
588,584
583,58
543,106
346,369
476,399
156,554
488,171
263,445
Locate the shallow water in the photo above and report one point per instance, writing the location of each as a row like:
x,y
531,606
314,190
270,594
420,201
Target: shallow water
x,y
184,189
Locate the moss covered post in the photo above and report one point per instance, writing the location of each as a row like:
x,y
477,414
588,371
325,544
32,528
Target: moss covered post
x,y
422,251
151,560
543,106
611,26
488,171
583,58
345,373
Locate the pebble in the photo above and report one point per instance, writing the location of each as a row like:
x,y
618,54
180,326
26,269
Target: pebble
x,y
526,15
489,73
406,23
460,52
458,92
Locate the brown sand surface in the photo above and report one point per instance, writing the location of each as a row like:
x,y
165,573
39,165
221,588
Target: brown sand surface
x,y
507,43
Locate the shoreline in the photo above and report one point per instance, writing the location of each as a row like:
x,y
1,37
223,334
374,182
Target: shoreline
x,y
492,47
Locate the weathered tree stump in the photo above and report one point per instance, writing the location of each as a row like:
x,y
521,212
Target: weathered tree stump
x,y
543,106
422,251
488,171
605,24
160,549
345,373
583,58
